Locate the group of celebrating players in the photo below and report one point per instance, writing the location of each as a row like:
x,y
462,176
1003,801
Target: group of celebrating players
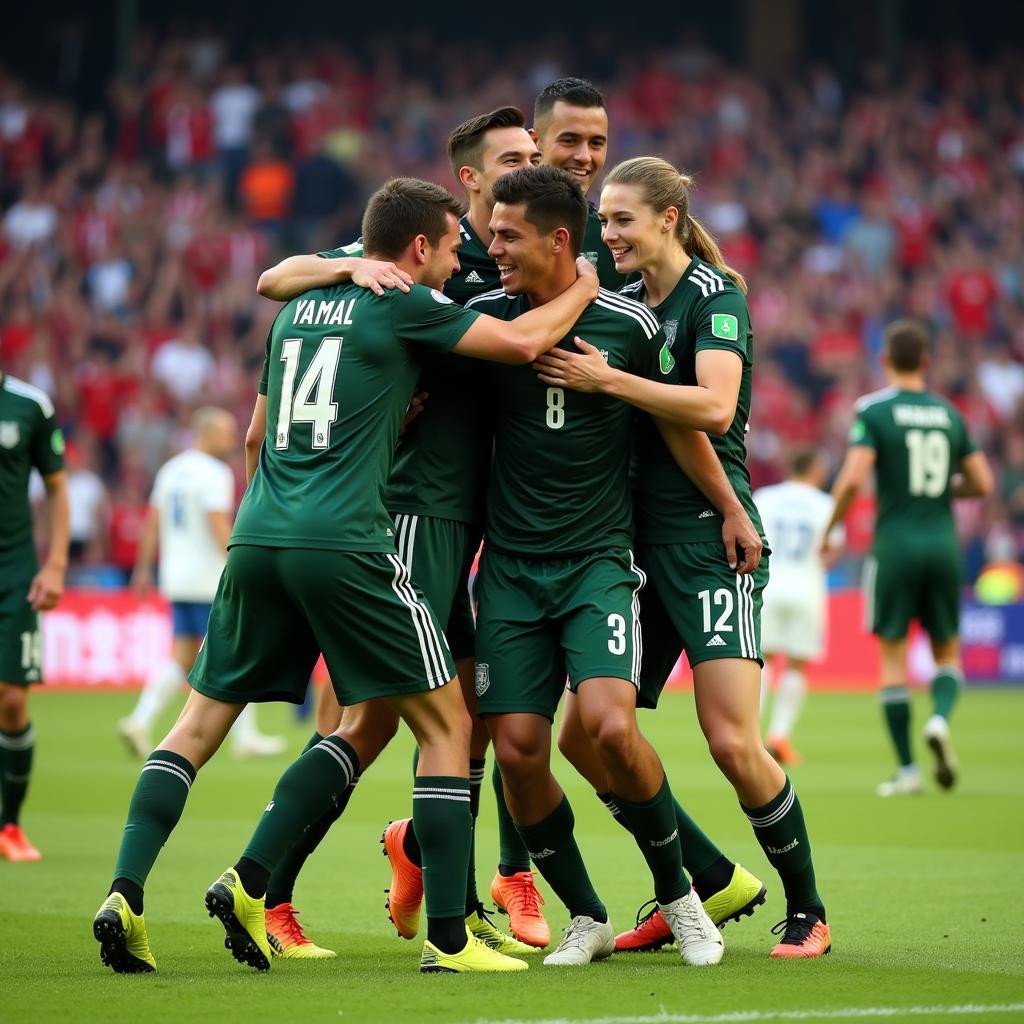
x,y
582,382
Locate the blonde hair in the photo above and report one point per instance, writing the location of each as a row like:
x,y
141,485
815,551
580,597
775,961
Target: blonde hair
x,y
661,186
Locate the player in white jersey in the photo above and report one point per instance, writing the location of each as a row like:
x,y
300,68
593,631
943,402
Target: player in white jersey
x,y
795,514
189,519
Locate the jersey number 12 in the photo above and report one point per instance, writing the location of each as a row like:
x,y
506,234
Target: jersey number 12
x,y
311,401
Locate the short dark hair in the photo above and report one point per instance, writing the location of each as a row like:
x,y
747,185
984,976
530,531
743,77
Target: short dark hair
x,y
466,143
802,461
403,208
553,199
906,342
577,92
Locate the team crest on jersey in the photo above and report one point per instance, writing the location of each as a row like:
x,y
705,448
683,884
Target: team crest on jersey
x,y
483,678
10,434
440,297
670,327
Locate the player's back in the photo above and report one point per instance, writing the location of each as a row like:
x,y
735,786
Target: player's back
x,y
795,516
340,368
919,440
186,490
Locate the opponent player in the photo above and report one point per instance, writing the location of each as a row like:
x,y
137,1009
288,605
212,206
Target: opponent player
x,y
29,438
435,495
189,520
919,449
313,567
558,590
698,602
795,612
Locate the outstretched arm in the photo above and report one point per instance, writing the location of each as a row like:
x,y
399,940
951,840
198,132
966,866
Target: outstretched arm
x,y
297,274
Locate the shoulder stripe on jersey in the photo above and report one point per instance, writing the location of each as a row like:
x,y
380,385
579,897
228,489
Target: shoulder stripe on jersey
x,y
632,287
630,306
645,324
709,283
498,293
872,397
23,390
711,274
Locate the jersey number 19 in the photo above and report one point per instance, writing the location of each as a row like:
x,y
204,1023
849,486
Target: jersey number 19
x,y
311,401
929,462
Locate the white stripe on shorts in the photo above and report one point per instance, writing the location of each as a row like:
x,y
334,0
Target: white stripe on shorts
x,y
431,647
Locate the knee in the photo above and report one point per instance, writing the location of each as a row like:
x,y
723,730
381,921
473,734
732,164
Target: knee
x,y
13,708
519,757
573,741
734,752
615,737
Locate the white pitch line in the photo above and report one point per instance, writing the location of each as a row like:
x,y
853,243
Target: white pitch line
x,y
741,1016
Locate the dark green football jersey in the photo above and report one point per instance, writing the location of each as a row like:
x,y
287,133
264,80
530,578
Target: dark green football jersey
x,y
705,310
340,370
29,438
444,457
919,441
599,254
560,477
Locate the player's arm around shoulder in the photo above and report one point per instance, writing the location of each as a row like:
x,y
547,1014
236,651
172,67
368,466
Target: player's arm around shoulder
x,y
522,340
297,274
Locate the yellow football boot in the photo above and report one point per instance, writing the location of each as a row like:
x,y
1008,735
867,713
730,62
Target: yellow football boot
x,y
124,945
481,925
243,919
288,940
474,957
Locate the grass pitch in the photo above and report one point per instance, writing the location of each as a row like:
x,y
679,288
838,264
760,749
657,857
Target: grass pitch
x,y
923,894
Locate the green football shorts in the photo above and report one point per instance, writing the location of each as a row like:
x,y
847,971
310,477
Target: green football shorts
x,y
21,644
913,582
541,619
276,609
695,603
439,554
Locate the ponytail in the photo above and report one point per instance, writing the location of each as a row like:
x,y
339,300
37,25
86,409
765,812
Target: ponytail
x,y
663,186
701,244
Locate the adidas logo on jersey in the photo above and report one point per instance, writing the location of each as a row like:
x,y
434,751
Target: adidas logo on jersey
x,y
546,852
707,514
716,641
474,278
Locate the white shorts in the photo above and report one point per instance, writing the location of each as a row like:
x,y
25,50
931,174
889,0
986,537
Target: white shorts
x,y
794,626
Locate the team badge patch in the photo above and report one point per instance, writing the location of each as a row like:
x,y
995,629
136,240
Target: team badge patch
x,y
857,432
483,678
725,326
440,297
665,358
57,442
10,433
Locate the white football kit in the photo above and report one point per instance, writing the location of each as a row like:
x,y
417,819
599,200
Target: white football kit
x,y
795,615
186,490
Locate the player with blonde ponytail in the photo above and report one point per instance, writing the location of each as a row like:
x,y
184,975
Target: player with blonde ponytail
x,y
697,601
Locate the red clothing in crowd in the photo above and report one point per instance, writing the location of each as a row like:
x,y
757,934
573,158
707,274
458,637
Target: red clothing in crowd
x,y
970,294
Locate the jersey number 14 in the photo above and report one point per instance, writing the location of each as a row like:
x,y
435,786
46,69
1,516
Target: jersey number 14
x,y
310,402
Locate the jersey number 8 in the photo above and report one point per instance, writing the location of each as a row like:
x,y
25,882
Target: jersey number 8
x,y
311,401
555,417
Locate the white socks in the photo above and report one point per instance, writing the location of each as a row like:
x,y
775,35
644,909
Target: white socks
x,y
789,699
160,689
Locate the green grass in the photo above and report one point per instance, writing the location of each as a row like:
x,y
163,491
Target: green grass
x,y
923,894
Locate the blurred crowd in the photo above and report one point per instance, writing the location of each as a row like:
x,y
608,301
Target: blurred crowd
x,y
131,236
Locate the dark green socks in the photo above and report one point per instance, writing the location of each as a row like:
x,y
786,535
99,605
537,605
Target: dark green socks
x,y
780,829
553,848
441,818
15,769
945,689
303,795
654,827
895,701
513,855
477,769
710,870
156,806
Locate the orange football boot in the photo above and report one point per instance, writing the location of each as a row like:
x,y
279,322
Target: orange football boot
x,y
651,932
517,896
405,896
14,844
782,750
803,936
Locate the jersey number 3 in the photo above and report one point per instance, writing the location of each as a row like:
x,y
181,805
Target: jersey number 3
x,y
310,402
